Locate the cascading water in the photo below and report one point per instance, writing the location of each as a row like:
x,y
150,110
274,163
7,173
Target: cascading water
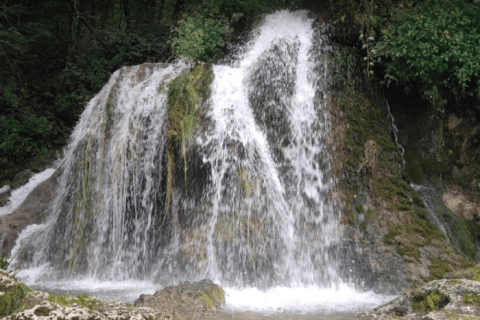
x,y
263,213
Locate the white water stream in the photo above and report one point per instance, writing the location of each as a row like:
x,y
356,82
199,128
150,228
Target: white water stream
x,y
265,224
20,194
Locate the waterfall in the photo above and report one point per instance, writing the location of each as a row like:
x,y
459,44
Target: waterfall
x,y
257,205
394,129
105,211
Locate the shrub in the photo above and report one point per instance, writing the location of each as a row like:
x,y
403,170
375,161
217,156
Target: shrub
x,y
436,44
201,36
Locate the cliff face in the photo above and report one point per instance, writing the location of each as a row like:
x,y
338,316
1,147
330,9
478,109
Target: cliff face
x,y
410,187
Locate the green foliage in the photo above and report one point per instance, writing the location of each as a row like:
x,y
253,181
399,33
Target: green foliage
x,y
185,94
435,44
4,263
418,234
437,269
429,302
201,36
23,139
467,298
13,298
359,208
460,228
83,300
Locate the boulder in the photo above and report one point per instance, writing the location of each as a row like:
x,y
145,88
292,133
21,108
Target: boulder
x,y
188,300
21,178
438,299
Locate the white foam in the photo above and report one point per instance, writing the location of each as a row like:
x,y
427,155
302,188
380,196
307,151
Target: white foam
x,y
19,195
303,300
126,291
4,189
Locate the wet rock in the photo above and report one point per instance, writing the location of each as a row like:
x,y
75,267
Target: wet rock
x,y
438,299
188,300
21,178
32,210
4,195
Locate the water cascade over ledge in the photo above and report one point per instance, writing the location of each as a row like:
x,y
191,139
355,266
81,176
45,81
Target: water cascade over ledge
x,y
257,208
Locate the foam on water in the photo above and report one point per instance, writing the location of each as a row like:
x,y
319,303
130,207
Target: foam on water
x,y
126,291
303,300
19,195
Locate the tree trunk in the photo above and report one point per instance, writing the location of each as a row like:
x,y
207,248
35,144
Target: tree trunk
x,y
126,10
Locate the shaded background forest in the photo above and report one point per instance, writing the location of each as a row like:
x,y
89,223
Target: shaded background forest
x,y
55,55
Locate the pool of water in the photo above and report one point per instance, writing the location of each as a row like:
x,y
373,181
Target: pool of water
x,y
301,303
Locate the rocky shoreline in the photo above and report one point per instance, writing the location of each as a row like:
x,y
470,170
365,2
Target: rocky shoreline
x,y
198,300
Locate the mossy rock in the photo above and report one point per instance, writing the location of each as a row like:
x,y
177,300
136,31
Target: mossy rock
x,y
187,300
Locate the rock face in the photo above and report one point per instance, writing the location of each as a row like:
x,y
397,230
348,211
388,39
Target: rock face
x,y
4,195
32,210
15,296
187,300
21,178
451,298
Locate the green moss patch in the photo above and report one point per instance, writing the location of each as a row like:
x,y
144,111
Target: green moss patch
x,y
461,230
42,311
13,299
185,94
418,234
429,302
438,269
213,297
83,300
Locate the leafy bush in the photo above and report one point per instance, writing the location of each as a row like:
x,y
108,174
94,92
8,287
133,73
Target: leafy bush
x,y
435,44
201,37
24,139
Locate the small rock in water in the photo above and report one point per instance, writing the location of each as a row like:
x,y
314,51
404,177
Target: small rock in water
x,y
188,300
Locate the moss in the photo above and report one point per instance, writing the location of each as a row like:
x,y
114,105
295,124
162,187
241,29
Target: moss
x,y
387,143
410,251
366,121
391,234
391,188
421,213
425,303
437,270
185,94
359,208
418,234
349,218
467,298
416,198
460,228
401,207
42,311
207,299
413,165
218,295
476,276
464,181
83,300
13,298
